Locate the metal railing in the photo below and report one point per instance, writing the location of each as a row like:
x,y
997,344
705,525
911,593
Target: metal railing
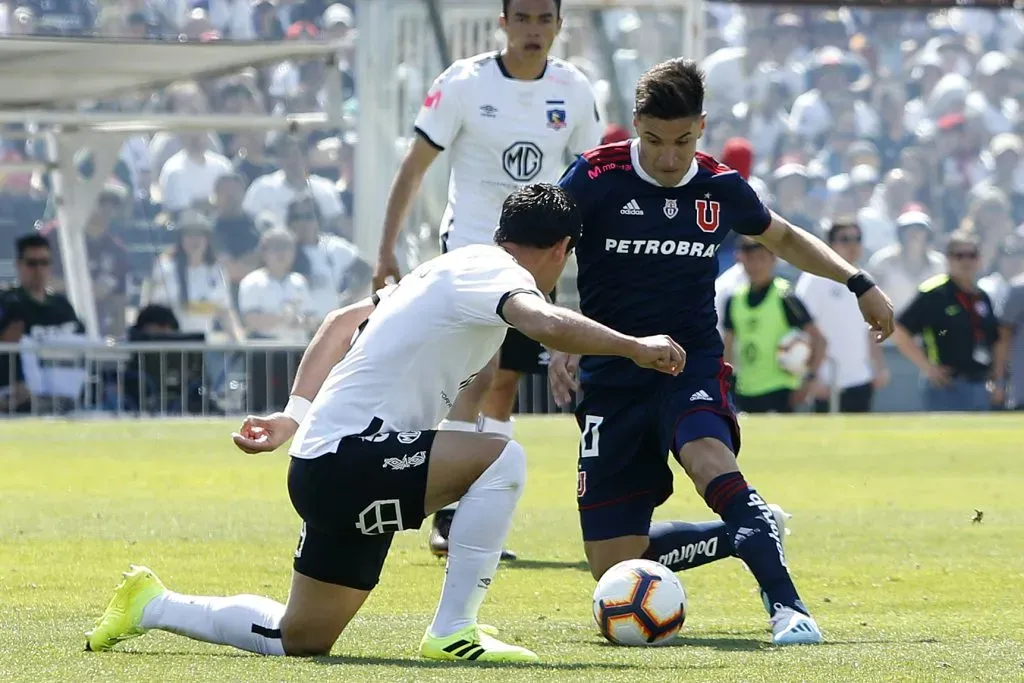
x,y
158,379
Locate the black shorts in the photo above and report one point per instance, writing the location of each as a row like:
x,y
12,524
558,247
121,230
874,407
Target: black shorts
x,y
851,400
772,402
353,500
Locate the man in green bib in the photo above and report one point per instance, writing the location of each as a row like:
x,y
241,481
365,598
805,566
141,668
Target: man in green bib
x,y
756,318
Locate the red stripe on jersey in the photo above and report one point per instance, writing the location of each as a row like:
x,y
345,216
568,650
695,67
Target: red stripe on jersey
x,y
709,163
614,153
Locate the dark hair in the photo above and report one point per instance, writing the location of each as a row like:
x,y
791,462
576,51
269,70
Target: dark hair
x,y
671,90
841,224
506,3
540,216
296,206
30,241
155,314
180,259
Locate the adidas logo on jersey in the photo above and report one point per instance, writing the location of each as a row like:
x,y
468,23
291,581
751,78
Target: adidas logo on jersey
x,y
701,396
631,209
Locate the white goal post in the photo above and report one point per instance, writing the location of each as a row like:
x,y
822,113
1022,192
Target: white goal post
x,y
397,61
65,72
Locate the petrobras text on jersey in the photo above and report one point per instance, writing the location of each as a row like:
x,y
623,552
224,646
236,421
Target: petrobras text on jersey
x,y
662,247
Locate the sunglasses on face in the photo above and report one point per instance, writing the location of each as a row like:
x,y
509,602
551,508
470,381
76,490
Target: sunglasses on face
x,y
963,255
848,239
36,262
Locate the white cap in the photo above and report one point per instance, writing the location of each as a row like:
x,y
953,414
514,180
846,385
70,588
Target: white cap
x,y
338,14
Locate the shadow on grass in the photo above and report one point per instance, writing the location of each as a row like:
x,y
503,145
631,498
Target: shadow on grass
x,y
546,564
727,644
546,665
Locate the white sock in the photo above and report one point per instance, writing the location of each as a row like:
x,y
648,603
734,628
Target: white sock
x,y
456,426
478,533
488,425
248,622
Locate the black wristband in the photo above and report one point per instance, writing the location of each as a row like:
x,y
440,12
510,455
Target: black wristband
x,y
859,283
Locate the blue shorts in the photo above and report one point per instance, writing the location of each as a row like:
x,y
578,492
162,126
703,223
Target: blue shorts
x,y
626,435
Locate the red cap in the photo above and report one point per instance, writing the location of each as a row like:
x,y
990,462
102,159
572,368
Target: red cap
x,y
614,133
738,154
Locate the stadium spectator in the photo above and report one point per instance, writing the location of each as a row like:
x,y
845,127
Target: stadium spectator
x,y
331,265
188,279
250,158
107,260
186,99
1008,360
855,366
756,318
988,217
1008,264
235,236
31,309
188,178
274,300
899,268
879,217
956,323
275,191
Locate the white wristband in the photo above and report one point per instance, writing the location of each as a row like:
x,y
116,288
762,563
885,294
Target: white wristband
x,y
297,408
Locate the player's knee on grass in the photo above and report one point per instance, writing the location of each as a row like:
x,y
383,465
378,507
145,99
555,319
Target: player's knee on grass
x,y
457,459
316,614
706,459
603,555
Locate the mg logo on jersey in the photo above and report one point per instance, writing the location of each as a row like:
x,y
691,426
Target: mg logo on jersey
x,y
671,208
522,161
707,214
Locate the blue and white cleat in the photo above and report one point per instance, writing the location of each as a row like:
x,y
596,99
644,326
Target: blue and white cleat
x,y
790,627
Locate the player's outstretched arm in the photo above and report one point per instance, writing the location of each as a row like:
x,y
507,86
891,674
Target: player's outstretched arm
x,y
564,330
403,188
808,253
330,344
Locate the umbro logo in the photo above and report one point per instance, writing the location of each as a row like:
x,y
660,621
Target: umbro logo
x,y
489,111
701,396
631,209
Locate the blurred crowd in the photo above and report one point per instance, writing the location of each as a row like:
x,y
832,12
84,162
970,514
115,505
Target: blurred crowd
x,y
908,122
242,236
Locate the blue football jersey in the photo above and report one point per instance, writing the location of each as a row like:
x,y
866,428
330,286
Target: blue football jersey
x,y
648,255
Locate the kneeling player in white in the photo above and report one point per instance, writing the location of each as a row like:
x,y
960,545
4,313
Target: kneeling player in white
x,y
366,462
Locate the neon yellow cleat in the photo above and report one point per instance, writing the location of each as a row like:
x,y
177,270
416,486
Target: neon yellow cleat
x,y
123,616
471,645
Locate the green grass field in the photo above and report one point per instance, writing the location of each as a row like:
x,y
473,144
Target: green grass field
x,y
904,585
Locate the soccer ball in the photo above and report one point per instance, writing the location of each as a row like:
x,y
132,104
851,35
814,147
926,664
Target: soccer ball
x,y
793,352
639,602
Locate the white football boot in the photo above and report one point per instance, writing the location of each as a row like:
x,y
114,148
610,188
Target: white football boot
x,y
790,627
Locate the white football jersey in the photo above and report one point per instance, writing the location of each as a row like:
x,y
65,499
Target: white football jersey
x,y
503,133
426,339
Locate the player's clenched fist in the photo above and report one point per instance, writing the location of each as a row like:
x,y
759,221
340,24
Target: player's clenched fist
x,y
264,434
660,353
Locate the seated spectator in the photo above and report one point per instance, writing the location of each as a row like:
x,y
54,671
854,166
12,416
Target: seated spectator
x,y
958,329
900,268
274,301
988,217
107,260
275,191
33,310
188,178
188,279
185,98
250,158
332,266
1009,263
235,236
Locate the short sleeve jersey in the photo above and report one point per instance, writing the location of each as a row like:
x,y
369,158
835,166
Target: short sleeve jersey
x,y
648,255
426,339
503,133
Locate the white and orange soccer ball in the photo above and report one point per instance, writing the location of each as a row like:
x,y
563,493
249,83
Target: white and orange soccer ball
x,y
793,352
639,603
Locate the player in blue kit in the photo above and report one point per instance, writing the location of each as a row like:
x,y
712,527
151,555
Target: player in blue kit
x,y
655,213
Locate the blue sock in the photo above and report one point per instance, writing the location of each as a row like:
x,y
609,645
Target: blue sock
x,y
755,537
685,545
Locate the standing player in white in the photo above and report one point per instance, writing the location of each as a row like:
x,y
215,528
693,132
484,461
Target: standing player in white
x,y
509,118
366,461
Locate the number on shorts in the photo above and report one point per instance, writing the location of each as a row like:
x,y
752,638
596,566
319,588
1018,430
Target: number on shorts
x,y
381,517
590,439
